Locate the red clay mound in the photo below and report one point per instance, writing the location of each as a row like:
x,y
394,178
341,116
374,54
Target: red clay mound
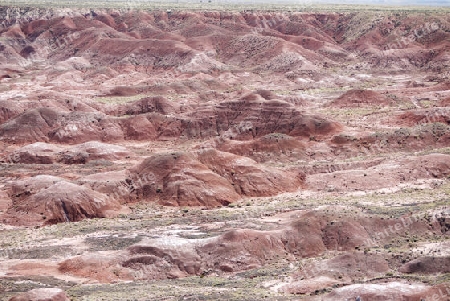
x,y
344,235
244,249
157,126
416,117
247,118
93,150
427,265
254,249
9,109
358,98
107,19
249,50
42,294
140,262
104,268
149,104
248,177
31,126
50,200
33,185
154,263
14,32
45,124
201,30
430,166
79,127
233,251
170,185
181,180
304,235
445,102
253,116
123,91
269,147
116,184
44,153
141,128
155,54
36,27
36,153
246,40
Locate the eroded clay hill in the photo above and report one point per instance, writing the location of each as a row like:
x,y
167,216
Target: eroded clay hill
x,y
224,155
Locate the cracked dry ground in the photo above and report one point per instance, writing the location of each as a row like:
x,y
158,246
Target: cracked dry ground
x,y
197,155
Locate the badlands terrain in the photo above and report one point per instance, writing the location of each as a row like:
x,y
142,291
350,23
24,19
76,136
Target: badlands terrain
x,y
211,153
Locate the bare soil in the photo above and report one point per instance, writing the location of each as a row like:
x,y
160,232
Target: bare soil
x,y
224,154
